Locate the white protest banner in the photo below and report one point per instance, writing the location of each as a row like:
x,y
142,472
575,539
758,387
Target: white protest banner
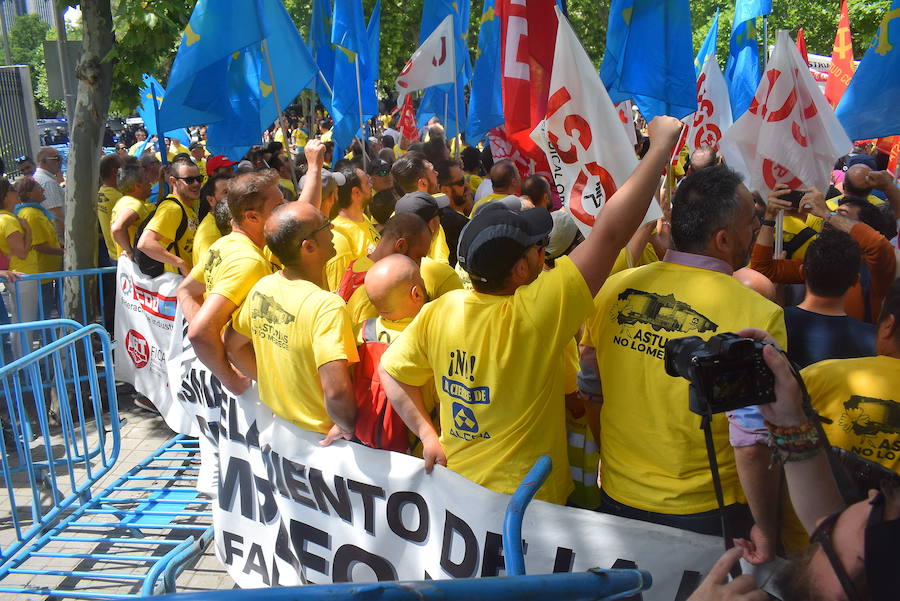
x,y
145,321
713,116
433,63
790,134
349,513
589,154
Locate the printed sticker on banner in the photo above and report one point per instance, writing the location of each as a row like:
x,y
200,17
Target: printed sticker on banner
x,y
137,348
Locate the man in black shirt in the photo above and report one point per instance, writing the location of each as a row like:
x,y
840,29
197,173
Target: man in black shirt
x,y
818,328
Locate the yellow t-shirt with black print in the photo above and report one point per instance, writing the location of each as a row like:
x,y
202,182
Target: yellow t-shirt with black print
x,y
296,328
165,222
361,235
233,264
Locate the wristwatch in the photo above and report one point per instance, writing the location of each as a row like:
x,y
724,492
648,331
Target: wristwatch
x,y
769,222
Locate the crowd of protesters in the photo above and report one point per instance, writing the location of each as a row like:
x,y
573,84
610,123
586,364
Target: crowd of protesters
x,y
419,297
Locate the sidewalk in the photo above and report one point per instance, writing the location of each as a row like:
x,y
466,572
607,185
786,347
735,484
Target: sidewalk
x,y
142,432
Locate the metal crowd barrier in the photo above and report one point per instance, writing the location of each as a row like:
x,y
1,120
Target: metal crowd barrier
x,y
66,537
595,584
49,297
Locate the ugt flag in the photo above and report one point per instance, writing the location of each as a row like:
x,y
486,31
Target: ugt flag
x,y
713,116
789,134
582,135
868,108
649,57
433,63
841,70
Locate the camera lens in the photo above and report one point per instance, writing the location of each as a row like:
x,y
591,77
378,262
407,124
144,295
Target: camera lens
x,y
679,352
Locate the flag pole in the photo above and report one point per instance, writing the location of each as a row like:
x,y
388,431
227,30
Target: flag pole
x,y
765,54
456,108
362,125
264,45
779,234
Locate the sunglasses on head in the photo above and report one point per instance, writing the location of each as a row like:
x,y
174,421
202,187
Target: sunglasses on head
x,y
191,179
22,159
382,171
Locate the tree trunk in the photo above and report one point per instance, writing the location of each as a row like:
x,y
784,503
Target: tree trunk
x,y
86,134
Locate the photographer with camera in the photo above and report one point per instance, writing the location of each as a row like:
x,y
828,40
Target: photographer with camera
x,y
654,462
853,555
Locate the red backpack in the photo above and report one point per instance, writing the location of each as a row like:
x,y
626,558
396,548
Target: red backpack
x,y
350,281
377,424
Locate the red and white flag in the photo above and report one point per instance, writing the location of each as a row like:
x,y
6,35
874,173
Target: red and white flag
x,y
432,64
841,70
626,116
712,119
409,129
582,135
527,32
789,134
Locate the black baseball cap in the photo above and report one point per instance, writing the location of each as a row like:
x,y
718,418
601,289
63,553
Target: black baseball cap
x,y
379,167
496,237
420,203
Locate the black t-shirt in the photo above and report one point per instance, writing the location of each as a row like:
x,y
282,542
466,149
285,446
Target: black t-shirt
x,y
813,337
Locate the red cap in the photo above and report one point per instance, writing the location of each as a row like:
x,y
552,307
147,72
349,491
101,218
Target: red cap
x,y
219,160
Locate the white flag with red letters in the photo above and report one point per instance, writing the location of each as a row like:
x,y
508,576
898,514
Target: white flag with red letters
x,y
789,134
589,153
432,64
707,125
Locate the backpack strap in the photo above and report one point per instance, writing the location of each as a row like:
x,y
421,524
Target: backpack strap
x,y
799,239
350,281
369,330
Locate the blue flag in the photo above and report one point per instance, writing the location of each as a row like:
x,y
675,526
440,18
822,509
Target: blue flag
x,y
349,36
868,109
742,70
709,44
438,100
152,95
485,100
650,57
320,24
224,81
373,31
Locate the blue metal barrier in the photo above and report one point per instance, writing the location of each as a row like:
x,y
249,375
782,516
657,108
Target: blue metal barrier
x,y
515,512
50,292
131,538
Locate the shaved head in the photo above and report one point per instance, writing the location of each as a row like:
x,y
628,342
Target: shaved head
x,y
395,287
856,182
756,281
288,226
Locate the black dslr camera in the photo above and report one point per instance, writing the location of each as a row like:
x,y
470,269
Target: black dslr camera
x,y
726,372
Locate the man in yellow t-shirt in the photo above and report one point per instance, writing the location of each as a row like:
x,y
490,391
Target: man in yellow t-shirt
x,y
501,399
130,210
653,458
158,240
213,192
107,197
505,181
233,264
404,234
861,397
413,173
293,337
351,221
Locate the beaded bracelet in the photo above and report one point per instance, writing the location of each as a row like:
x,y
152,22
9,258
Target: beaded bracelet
x,y
793,443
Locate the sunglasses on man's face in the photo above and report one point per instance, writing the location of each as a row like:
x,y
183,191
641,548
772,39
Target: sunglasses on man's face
x,y
191,179
382,171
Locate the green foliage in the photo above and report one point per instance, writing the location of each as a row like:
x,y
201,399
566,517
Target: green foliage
x,y
147,37
26,36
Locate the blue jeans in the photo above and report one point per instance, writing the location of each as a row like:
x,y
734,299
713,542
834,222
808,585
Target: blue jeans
x,y
707,522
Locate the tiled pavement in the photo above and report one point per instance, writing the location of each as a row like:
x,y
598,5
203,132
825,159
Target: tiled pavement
x,y
142,433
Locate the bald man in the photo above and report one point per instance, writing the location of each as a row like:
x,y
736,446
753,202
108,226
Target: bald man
x,y
505,181
396,290
861,180
756,281
293,337
702,158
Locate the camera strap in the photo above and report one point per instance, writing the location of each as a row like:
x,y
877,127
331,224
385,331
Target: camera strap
x,y
706,426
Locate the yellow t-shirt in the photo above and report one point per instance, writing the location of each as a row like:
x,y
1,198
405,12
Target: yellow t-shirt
x,y
489,198
106,200
299,138
653,454
288,185
207,233
361,235
474,182
626,261
833,203
138,206
9,224
165,223
42,232
296,327
337,265
232,265
501,400
439,250
860,396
